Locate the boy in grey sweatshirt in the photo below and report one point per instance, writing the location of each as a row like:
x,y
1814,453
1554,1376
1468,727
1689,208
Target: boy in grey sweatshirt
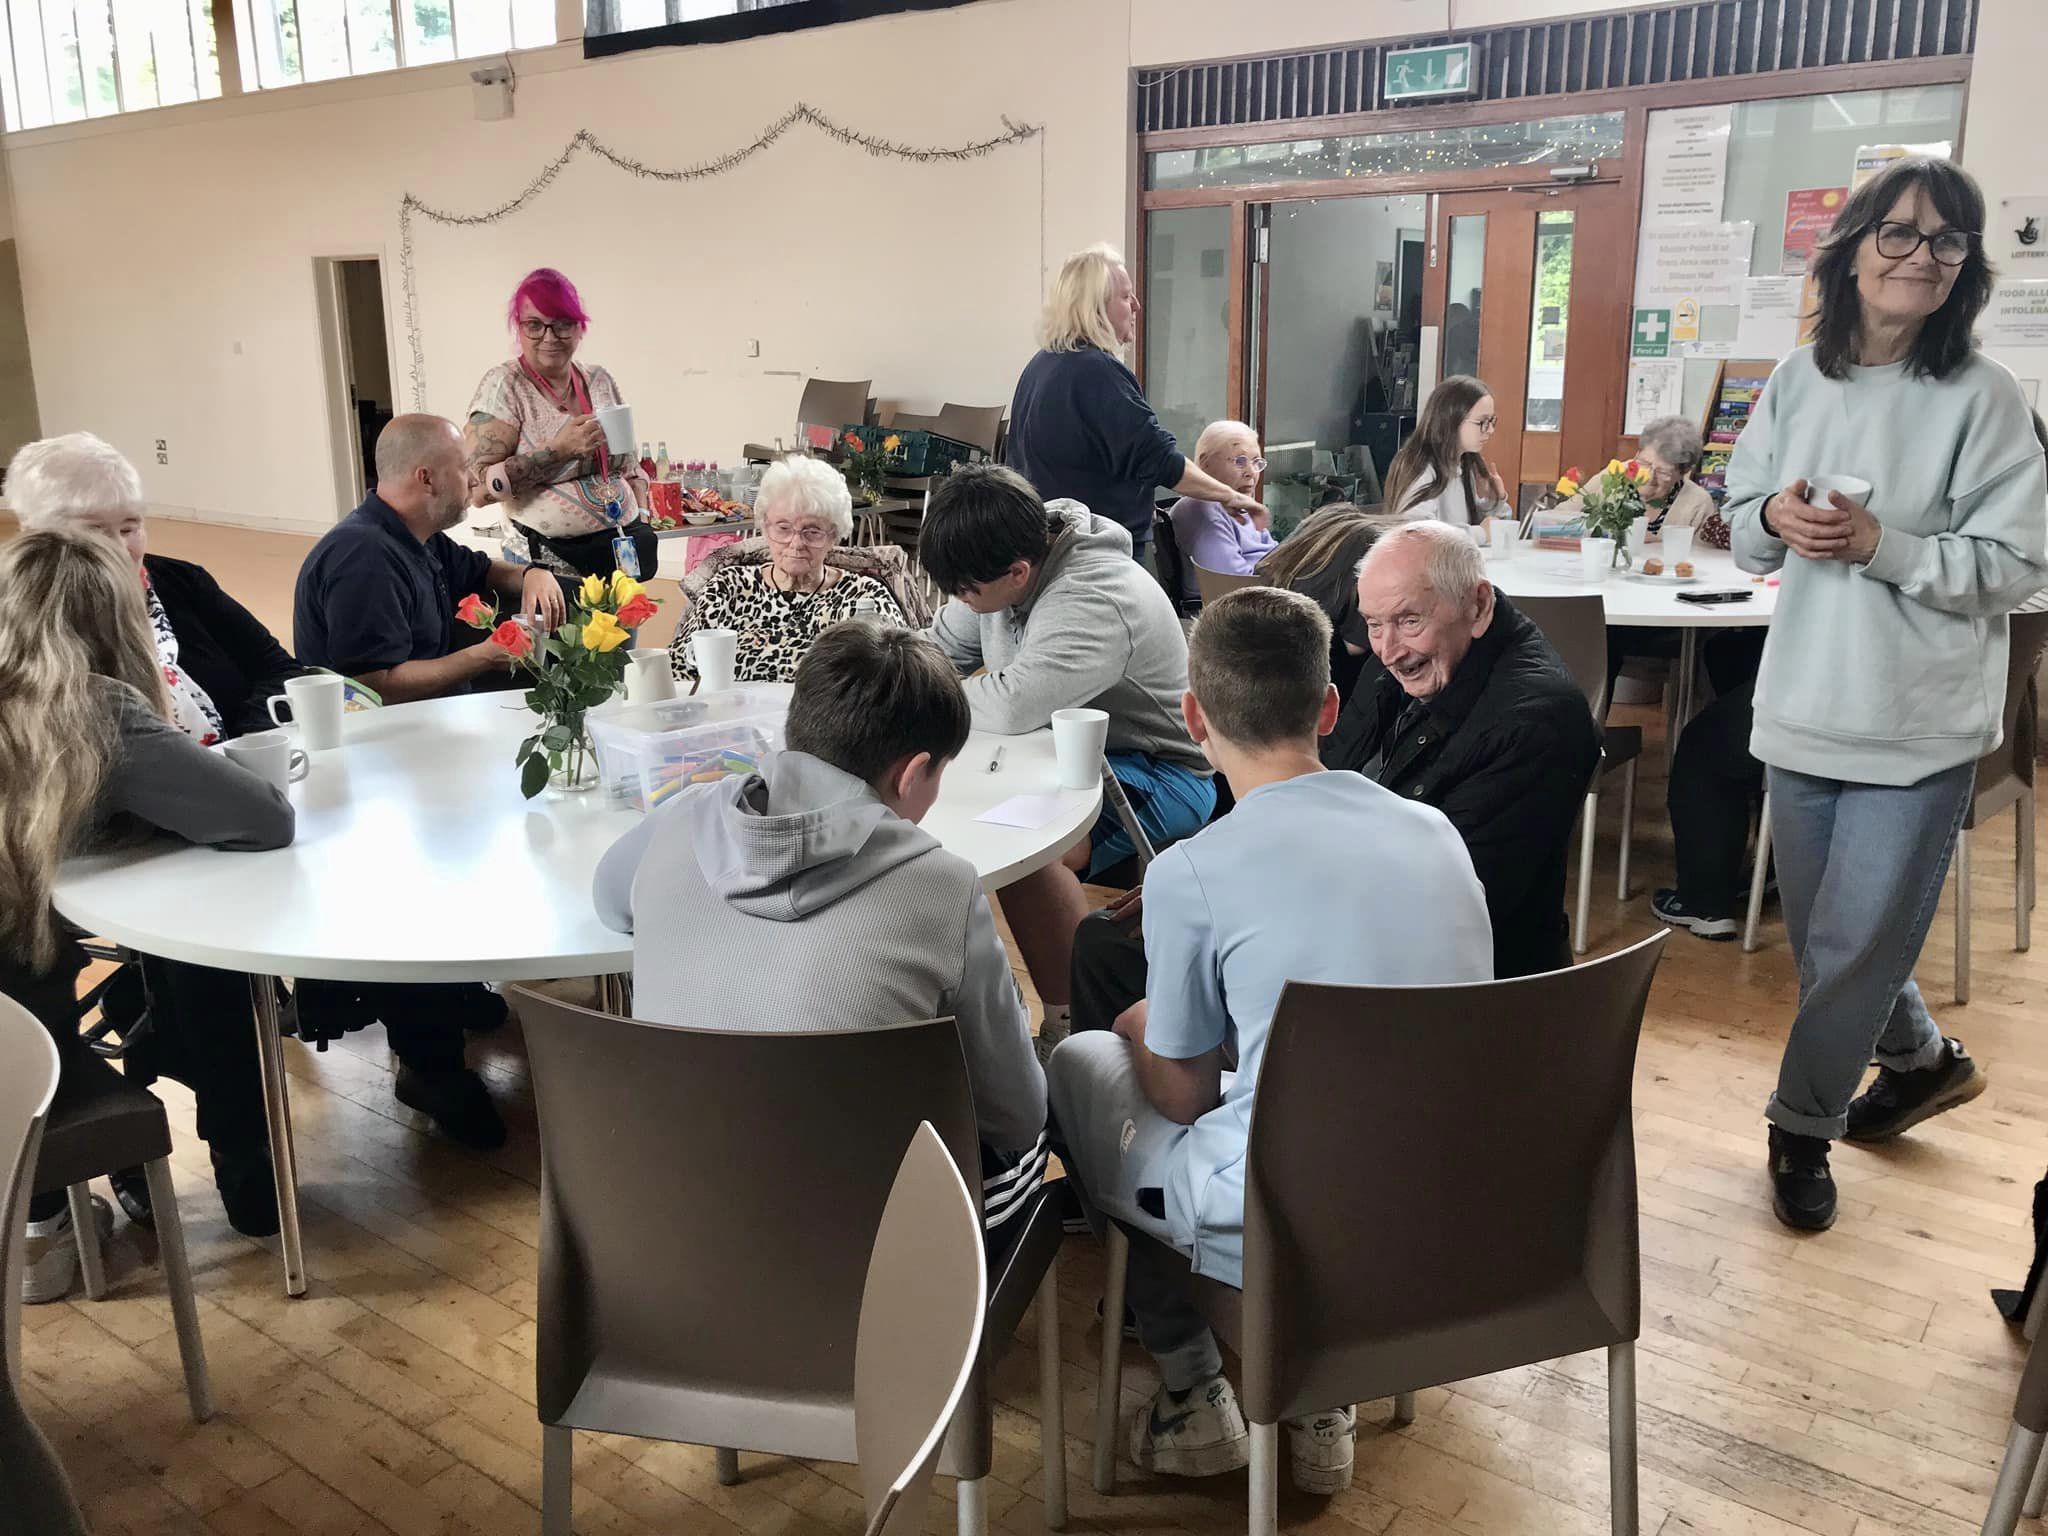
x,y
1050,612
812,880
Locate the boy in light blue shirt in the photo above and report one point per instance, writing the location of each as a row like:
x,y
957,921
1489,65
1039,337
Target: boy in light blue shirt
x,y
1314,876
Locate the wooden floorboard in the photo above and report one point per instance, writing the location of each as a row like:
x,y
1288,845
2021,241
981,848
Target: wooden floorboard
x,y
1855,1383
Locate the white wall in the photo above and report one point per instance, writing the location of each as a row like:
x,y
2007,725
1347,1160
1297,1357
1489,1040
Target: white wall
x,y
2002,133
167,257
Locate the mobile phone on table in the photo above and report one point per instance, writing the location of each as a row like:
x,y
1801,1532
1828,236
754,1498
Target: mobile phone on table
x,y
1725,595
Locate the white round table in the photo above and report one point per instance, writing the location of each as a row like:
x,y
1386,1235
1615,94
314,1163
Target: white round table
x,y
417,860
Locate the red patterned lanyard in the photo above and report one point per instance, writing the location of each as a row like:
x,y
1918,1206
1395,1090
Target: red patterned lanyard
x,y
578,403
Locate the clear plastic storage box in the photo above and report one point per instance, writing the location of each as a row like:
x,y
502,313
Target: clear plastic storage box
x,y
647,753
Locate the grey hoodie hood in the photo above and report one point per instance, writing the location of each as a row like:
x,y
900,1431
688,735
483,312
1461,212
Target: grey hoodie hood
x,y
796,837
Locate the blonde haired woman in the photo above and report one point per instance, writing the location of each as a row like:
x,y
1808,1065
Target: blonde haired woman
x,y
88,754
1080,427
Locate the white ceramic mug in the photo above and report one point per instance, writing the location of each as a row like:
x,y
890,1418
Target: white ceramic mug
x,y
269,755
714,651
315,701
649,677
1818,486
1596,558
617,421
1677,546
1078,739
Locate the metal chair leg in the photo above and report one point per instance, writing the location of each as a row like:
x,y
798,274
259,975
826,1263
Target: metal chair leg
x,y
2023,876
726,1462
1584,915
1628,823
2037,1485
277,1117
1052,1413
170,1246
1265,1472
85,1232
1962,916
971,1496
557,1479
1110,1379
1623,1516
1757,876
1404,1408
2023,1460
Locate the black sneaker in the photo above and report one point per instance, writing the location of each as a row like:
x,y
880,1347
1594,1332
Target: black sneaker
x,y
248,1189
1802,1189
457,1101
1670,909
131,1188
1897,1101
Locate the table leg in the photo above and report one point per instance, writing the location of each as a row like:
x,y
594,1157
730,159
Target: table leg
x,y
277,1115
1688,670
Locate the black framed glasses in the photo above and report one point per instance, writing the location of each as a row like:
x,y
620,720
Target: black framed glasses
x,y
565,330
1951,247
1487,423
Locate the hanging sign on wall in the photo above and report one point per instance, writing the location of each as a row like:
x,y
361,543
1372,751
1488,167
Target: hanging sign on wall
x,y
1685,166
1421,74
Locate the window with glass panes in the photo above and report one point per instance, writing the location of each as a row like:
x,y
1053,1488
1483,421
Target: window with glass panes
x,y
286,42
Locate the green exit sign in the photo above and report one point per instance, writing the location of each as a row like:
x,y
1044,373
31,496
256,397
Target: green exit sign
x,y
1417,74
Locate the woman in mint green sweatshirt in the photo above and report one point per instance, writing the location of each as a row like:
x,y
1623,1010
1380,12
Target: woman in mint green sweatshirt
x,y
1883,677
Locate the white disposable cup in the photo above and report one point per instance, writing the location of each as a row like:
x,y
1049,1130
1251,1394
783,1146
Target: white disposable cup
x,y
315,701
1596,558
1818,486
715,651
1078,739
1502,533
269,755
649,677
1639,535
617,421
1677,546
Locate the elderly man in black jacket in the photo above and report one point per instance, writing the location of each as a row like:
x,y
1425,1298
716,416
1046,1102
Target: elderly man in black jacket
x,y
1473,712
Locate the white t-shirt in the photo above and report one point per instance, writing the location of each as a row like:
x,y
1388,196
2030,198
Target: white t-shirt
x,y
1450,504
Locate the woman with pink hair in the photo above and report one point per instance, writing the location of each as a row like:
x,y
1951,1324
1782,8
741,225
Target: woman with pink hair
x,y
534,443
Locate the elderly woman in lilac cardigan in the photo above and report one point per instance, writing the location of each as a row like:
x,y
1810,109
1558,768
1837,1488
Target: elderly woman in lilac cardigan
x,y
1209,534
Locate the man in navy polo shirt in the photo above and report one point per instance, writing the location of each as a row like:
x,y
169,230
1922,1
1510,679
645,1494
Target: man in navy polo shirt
x,y
376,601
376,597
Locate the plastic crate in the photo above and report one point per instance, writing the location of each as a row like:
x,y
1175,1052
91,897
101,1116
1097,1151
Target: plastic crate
x,y
648,753
919,452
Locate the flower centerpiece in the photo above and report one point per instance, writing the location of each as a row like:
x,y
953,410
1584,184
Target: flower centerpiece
x,y
1613,499
865,461
574,670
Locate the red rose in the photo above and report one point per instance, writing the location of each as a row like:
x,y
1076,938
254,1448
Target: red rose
x,y
637,609
514,637
475,612
855,443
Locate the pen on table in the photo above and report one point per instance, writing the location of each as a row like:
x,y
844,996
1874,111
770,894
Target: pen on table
x,y
995,759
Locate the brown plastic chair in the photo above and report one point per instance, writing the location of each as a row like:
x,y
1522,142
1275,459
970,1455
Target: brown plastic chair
x,y
709,1201
980,425
1577,627
921,1315
35,1497
1441,1254
1213,584
2024,1470
833,403
2005,777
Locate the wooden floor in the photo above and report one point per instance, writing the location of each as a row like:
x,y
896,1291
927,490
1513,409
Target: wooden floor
x,y
1852,1384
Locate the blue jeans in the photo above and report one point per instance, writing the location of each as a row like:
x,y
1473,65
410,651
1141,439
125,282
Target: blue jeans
x,y
1170,802
1860,868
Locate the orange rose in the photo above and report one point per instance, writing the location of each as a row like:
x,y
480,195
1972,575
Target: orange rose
x,y
854,442
514,638
475,612
637,609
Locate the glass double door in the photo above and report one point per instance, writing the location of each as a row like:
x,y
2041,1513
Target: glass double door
x,y
1325,322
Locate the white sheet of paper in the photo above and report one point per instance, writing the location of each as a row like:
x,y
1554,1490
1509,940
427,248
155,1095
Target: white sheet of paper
x,y
1770,317
1656,387
1685,166
1029,812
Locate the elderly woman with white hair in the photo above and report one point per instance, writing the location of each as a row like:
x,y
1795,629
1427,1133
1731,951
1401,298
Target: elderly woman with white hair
x,y
220,664
1211,535
779,605
1080,427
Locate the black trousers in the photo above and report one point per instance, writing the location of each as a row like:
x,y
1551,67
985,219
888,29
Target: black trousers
x,y
1714,782
422,1020
1109,970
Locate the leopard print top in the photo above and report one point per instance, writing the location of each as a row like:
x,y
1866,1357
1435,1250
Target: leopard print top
x,y
775,628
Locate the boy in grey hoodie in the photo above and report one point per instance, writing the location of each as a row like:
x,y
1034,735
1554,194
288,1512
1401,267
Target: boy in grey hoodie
x,y
1050,612
812,880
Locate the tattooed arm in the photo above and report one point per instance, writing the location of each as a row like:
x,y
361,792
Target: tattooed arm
x,y
488,442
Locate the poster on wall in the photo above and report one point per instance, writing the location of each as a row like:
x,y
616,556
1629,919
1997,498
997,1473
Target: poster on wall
x,y
2017,315
2019,239
1873,158
1769,326
1656,387
1697,274
1685,166
1809,215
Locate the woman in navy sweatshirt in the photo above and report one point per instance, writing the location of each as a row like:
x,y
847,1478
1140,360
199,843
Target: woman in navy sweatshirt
x,y
1080,427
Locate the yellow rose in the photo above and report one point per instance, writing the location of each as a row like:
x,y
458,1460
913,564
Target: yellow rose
x,y
1613,466
592,591
1567,486
603,632
892,442
624,589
